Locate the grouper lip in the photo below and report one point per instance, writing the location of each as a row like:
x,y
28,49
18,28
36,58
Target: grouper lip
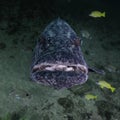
x,y
66,67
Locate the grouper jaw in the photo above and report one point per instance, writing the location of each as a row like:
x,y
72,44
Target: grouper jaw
x,y
61,67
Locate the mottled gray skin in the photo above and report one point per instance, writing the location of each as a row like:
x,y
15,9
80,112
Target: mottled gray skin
x,y
58,45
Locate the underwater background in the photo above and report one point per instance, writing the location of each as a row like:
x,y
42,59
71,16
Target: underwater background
x,y
21,22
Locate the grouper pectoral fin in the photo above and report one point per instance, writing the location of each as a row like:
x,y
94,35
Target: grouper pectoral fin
x,y
91,69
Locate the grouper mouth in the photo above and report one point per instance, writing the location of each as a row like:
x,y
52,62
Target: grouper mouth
x,y
59,74
61,67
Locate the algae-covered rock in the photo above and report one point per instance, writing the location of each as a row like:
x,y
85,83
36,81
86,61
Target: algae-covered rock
x,y
66,103
2,45
80,90
105,109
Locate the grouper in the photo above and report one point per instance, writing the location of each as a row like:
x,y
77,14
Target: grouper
x,y
57,58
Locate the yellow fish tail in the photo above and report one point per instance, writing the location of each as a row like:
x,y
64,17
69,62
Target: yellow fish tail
x,y
113,89
103,14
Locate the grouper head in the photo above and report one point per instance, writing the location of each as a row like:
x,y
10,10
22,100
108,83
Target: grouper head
x,y
58,60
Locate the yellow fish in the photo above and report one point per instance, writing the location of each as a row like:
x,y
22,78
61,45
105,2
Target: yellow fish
x,y
90,97
104,84
97,14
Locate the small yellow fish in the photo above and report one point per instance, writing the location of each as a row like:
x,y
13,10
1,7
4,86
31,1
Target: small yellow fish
x,y
90,97
97,14
104,84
